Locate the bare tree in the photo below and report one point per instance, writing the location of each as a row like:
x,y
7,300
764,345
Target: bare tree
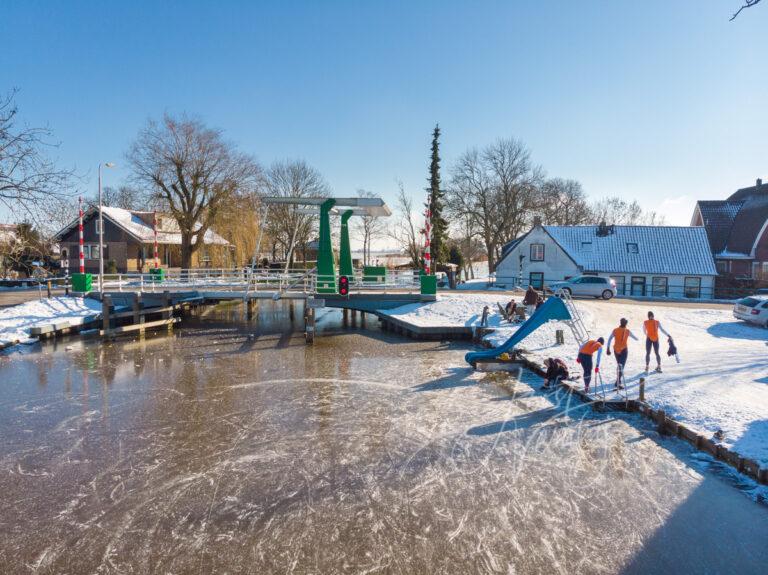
x,y
368,228
125,197
564,203
747,4
28,178
192,170
615,210
497,190
406,230
287,226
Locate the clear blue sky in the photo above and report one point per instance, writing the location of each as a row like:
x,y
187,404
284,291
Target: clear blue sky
x,y
662,101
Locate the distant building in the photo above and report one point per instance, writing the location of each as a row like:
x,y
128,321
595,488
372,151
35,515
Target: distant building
x,y
658,261
737,230
129,242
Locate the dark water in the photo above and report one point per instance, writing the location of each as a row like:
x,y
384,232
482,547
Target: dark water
x,y
211,452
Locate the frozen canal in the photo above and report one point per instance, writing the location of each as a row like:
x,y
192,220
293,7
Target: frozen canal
x,y
207,451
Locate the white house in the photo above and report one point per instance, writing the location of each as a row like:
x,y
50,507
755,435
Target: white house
x,y
658,261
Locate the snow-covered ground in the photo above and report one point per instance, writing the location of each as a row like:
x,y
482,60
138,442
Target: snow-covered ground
x,y
16,321
720,383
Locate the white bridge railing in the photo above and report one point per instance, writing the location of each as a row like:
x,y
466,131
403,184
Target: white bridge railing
x,y
276,282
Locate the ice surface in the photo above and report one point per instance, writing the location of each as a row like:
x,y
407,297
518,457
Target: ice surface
x,y
212,452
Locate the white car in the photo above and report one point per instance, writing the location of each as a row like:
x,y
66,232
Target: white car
x,y
753,309
595,286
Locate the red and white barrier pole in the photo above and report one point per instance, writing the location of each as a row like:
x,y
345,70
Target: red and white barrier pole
x,y
82,255
154,226
427,237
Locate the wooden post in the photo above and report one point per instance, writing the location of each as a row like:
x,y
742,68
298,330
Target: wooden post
x,y
642,389
309,328
559,337
167,304
106,303
662,423
345,316
48,287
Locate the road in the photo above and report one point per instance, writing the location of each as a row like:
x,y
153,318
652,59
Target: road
x,y
14,297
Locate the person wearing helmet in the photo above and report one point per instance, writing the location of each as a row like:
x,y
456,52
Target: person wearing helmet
x,y
621,337
585,359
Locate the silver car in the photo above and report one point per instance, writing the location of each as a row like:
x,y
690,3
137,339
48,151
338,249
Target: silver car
x,y
595,286
753,309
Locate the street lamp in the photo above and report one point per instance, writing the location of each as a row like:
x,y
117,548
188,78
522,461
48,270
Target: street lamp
x,y
101,231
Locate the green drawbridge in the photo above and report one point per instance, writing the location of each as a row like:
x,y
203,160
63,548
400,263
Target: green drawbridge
x,y
327,276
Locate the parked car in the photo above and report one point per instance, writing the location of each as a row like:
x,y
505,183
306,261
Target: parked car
x,y
595,286
761,291
753,309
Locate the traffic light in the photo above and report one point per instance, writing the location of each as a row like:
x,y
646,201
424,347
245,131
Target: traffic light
x,y
343,285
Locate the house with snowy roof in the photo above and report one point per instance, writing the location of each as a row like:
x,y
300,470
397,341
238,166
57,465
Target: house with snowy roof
x,y
737,230
129,238
656,261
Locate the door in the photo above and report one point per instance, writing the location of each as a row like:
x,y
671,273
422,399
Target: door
x,y
638,285
692,287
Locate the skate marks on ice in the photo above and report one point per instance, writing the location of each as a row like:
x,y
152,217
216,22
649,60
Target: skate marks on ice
x,y
363,465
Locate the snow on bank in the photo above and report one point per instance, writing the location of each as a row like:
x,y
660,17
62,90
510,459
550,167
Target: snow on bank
x,y
16,321
721,382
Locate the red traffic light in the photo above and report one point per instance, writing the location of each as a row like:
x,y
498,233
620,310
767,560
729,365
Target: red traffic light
x,y
343,285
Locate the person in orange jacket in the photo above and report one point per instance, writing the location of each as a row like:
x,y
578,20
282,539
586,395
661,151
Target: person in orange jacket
x,y
651,329
621,336
586,352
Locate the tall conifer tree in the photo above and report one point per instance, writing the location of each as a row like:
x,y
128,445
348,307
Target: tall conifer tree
x,y
438,248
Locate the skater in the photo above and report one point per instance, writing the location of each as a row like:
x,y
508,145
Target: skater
x,y
530,299
621,334
651,329
556,372
585,359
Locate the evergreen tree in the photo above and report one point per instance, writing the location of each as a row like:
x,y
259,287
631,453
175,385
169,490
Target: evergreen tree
x,y
438,247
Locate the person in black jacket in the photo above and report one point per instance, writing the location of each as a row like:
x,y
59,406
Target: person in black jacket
x,y
556,372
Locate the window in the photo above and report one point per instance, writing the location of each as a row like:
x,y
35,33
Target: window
x,y
91,252
536,279
586,246
96,226
722,266
659,287
632,248
692,287
537,252
637,286
619,284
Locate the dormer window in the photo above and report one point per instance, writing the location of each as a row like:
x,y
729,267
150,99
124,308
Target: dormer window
x,y
586,246
632,248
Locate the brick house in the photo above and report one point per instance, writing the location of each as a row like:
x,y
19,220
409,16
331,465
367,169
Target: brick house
x,y
129,242
737,230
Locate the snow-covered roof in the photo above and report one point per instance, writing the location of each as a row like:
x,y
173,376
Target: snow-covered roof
x,y
660,249
139,225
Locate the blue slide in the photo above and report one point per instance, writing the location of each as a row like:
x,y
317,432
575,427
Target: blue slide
x,y
552,309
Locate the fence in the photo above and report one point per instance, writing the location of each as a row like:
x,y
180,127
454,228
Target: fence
x,y
691,288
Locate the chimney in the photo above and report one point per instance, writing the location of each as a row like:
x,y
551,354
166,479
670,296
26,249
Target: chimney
x,y
536,221
758,183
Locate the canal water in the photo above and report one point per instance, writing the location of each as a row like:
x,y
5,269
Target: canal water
x,y
232,447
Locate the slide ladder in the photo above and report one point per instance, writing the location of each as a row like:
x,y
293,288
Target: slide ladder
x,y
576,323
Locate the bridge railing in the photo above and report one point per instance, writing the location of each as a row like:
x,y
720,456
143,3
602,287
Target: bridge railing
x,y
394,280
259,280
